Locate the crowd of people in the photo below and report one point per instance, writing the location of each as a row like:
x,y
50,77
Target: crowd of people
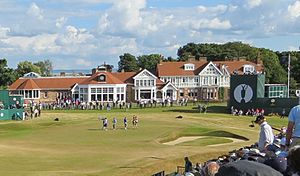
x,y
276,155
250,112
69,103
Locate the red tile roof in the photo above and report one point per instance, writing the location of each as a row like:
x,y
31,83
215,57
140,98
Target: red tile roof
x,y
177,68
238,65
28,84
125,77
110,79
46,83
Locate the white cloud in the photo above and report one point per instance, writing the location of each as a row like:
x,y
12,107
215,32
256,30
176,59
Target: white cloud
x,y
123,18
95,35
294,9
293,48
253,3
35,11
83,62
4,31
211,24
38,44
73,36
60,22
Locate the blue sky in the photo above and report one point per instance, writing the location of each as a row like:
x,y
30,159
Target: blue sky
x,y
81,34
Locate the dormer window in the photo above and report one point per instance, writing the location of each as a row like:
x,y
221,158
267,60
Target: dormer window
x,y
101,78
189,67
31,75
248,69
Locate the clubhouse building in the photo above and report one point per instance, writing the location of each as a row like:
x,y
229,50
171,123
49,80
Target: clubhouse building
x,y
201,80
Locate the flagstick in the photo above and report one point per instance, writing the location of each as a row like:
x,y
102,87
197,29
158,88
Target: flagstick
x,y
288,86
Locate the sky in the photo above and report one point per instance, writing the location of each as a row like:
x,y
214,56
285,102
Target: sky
x,y
82,34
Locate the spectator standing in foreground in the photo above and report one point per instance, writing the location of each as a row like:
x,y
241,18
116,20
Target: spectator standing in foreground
x,y
188,167
293,129
266,135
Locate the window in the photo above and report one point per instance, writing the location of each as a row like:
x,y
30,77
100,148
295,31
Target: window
x,y
101,78
152,82
32,94
105,90
196,79
46,94
189,66
248,69
205,81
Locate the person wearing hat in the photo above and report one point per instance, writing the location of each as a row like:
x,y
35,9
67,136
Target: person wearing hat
x,y
293,129
266,135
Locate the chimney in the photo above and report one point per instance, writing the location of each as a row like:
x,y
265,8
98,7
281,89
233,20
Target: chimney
x,y
243,58
94,70
203,58
191,58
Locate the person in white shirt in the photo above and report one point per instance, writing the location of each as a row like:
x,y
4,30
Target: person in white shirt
x,y
266,136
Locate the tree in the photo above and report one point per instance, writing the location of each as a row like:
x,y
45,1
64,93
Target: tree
x,y
149,62
274,71
45,66
169,59
127,63
7,75
26,67
215,52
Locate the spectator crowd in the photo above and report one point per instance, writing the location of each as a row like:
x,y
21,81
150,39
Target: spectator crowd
x,y
273,155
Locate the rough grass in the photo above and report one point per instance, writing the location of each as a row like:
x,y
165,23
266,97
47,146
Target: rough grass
x,y
75,145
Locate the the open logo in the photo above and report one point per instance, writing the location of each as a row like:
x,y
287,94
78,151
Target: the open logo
x,y
243,93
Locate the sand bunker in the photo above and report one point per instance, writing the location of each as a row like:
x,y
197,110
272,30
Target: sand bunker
x,y
191,138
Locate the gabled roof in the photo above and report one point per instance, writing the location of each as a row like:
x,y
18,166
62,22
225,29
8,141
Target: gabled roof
x,y
31,75
177,68
211,63
48,83
145,71
110,79
28,84
169,84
